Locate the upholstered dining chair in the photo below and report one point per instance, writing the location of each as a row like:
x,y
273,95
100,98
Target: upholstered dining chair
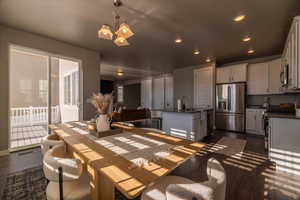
x,y
179,188
67,179
49,142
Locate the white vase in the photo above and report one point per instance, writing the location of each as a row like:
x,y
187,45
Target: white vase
x,y
102,123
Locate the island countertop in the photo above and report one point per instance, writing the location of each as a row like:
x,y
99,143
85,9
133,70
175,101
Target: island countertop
x,y
190,111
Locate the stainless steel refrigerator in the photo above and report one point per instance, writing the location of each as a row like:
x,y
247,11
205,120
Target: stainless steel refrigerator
x,y
230,107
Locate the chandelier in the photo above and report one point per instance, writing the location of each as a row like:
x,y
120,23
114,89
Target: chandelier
x,y
119,33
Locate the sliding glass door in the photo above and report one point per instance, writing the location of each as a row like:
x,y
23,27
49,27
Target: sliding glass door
x,y
65,90
32,104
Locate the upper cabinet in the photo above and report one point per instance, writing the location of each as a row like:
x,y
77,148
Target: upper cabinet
x,y
232,74
275,68
157,92
203,87
146,93
223,75
291,55
264,78
257,79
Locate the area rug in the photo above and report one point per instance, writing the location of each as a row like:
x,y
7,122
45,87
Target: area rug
x,y
229,146
29,184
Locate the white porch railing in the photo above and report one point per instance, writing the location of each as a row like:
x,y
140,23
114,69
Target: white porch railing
x,y
29,116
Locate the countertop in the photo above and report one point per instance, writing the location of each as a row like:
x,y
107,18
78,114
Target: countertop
x,y
282,115
195,110
255,107
188,111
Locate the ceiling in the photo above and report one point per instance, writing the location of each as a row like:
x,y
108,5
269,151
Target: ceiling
x,y
206,25
109,72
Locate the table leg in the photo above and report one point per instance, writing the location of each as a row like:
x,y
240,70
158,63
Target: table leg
x,y
106,188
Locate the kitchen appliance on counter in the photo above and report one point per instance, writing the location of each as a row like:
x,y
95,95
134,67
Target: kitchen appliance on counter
x,y
230,107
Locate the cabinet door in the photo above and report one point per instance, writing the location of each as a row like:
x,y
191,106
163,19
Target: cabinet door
x,y
203,87
259,122
292,54
274,77
251,121
239,73
169,104
297,53
146,93
158,93
224,75
258,79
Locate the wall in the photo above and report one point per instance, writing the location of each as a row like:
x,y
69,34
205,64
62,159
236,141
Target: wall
x,y
132,95
90,66
184,84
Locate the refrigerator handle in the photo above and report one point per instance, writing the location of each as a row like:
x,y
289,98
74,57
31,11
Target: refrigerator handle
x,y
229,98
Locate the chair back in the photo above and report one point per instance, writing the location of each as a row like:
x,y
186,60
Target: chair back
x,y
49,142
217,174
56,158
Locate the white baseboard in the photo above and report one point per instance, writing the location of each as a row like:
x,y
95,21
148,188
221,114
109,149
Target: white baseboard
x,y
4,153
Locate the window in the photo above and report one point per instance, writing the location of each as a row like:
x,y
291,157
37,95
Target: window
x,y
120,94
71,89
25,90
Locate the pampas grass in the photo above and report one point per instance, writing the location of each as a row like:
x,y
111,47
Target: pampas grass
x,y
101,102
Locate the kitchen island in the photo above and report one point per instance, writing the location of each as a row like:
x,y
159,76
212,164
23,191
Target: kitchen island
x,y
190,124
284,137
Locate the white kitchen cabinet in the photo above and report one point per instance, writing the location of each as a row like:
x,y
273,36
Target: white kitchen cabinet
x,y
169,92
264,78
257,79
191,126
203,87
223,75
291,54
239,73
158,93
146,93
232,74
275,68
254,121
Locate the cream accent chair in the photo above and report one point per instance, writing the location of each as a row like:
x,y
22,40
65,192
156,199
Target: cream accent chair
x,y
49,142
67,181
179,188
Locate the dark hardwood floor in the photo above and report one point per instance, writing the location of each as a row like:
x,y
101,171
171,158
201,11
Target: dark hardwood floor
x,y
20,160
250,175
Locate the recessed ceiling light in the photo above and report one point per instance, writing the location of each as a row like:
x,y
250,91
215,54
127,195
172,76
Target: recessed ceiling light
x,y
178,40
196,52
250,51
120,73
246,39
239,18
208,60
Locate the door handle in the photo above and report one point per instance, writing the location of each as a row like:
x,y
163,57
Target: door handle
x,y
229,98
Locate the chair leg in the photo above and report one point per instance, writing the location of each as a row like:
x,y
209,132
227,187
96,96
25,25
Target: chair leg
x,y
60,181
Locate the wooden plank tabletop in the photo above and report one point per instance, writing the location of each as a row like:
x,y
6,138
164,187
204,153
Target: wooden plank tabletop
x,y
130,181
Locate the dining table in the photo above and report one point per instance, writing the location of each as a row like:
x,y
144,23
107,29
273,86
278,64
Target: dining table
x,y
111,171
